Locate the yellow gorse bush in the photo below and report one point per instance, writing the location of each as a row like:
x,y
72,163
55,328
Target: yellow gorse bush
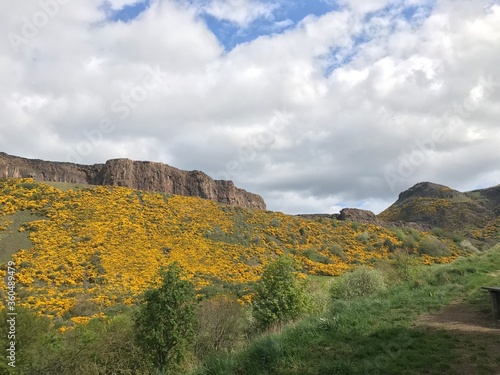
x,y
109,243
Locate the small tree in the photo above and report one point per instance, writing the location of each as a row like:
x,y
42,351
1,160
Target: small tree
x,y
280,294
165,324
222,323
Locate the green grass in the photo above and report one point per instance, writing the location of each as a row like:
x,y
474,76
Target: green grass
x,y
66,186
379,334
11,240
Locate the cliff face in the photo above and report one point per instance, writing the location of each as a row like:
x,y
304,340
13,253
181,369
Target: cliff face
x,y
141,175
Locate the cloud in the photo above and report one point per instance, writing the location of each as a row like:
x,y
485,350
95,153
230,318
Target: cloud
x,y
120,4
240,12
365,6
313,116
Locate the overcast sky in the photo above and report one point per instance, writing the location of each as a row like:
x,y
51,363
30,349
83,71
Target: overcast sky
x,y
314,104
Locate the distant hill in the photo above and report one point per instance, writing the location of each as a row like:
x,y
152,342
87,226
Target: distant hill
x,y
141,175
440,206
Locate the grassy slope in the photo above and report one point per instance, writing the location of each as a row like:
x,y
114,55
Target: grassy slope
x,y
66,186
11,239
379,334
109,243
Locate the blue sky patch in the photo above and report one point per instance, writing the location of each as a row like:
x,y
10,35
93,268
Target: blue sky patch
x,y
287,15
127,13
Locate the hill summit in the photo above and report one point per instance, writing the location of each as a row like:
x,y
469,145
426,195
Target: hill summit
x,y
140,175
440,206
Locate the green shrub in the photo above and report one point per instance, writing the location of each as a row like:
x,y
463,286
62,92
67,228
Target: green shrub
x,y
165,322
27,185
222,322
275,222
400,235
409,243
36,342
102,348
337,250
438,232
467,246
363,237
430,245
315,256
361,282
405,266
280,294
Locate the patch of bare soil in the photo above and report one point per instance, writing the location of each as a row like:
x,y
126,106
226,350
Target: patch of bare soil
x,y
461,317
475,336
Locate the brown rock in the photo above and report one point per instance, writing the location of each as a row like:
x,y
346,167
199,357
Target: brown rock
x,y
361,216
141,175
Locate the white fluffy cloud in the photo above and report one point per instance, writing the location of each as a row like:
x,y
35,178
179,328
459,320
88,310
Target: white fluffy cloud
x,y
240,12
120,4
340,110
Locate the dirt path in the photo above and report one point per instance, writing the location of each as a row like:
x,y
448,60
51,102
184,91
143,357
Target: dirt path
x,y
461,317
475,336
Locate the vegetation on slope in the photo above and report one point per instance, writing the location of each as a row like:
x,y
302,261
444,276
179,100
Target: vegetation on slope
x,y
451,210
368,329
100,247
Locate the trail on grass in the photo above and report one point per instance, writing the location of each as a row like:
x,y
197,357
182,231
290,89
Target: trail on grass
x,y
475,337
463,317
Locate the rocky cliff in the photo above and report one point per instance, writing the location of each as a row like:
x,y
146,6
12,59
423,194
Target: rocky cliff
x,y
142,175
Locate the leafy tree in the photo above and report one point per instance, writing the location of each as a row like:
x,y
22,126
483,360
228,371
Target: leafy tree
x,y
222,324
165,324
280,294
35,342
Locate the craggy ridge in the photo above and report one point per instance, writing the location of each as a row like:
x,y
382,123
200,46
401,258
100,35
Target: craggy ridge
x,y
141,175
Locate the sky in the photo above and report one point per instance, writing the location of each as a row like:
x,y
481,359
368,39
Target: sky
x,y
316,105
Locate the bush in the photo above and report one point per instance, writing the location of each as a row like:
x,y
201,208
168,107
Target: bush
x,y
222,322
405,266
280,294
361,282
165,323
315,256
99,348
337,250
36,342
467,246
430,245
363,237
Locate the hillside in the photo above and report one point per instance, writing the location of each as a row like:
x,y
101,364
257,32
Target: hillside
x,y
143,175
472,213
80,252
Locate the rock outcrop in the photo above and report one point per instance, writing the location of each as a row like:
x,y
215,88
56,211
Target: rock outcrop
x,y
141,175
361,216
428,190
348,214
